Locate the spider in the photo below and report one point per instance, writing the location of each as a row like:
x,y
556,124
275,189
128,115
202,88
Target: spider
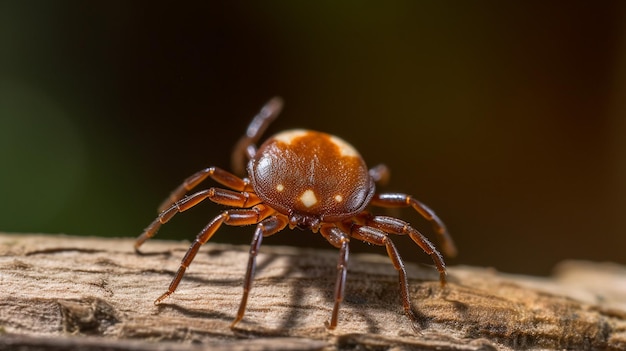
x,y
304,179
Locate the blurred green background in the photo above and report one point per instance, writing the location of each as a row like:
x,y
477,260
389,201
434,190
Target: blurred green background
x,y
507,118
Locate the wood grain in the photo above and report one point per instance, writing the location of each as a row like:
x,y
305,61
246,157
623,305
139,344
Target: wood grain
x,y
76,293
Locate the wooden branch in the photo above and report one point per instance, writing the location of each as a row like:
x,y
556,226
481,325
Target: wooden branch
x,y
74,293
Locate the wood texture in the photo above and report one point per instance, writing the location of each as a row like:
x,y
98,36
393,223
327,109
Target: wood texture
x,y
75,293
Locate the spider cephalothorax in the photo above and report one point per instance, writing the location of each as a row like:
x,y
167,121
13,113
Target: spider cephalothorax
x,y
305,179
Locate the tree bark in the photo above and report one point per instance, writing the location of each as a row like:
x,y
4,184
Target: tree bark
x,y
76,293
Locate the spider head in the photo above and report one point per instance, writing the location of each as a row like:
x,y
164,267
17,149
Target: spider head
x,y
304,222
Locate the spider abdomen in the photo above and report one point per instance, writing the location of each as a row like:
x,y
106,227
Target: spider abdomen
x,y
311,177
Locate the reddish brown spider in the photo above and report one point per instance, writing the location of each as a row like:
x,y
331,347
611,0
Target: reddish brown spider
x,y
305,179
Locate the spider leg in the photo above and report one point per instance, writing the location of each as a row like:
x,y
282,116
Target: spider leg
x,y
245,149
403,200
217,195
380,173
267,227
237,217
340,240
397,226
378,237
219,175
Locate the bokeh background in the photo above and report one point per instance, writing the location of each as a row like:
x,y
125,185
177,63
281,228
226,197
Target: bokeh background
x,y
507,118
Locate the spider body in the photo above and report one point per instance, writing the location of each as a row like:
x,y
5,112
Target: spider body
x,y
304,179
311,178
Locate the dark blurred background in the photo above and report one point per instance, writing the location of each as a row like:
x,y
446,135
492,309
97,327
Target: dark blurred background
x,y
506,118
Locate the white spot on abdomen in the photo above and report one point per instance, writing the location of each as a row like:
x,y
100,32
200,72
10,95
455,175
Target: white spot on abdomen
x,y
289,135
345,149
308,198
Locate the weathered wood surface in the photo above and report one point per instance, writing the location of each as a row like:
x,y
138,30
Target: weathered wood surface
x,y
74,293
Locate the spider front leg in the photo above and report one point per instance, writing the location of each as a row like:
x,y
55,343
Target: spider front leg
x,y
391,200
378,237
238,217
267,227
219,175
217,195
340,240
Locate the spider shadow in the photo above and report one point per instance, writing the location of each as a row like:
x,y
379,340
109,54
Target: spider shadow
x,y
193,313
357,299
324,273
144,253
353,302
202,280
323,279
